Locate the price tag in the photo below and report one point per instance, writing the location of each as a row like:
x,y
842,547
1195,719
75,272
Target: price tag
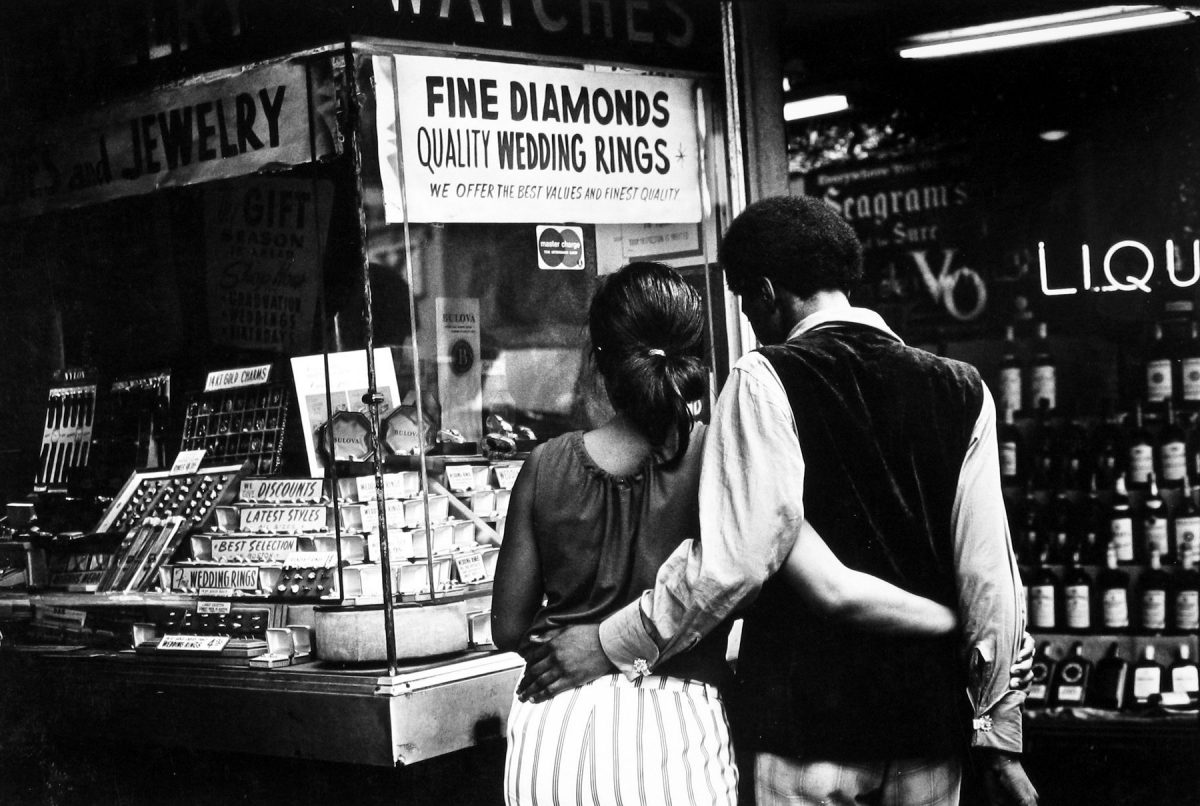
x,y
470,568
1070,694
460,478
62,615
215,608
193,643
311,559
187,462
1175,699
506,475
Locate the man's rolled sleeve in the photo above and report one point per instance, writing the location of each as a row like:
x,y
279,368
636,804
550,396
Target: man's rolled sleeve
x,y
747,461
625,639
1000,728
990,613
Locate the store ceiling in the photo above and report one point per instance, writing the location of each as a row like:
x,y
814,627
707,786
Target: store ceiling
x,y
847,30
849,46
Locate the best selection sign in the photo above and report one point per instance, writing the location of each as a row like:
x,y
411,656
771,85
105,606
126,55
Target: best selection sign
x,y
493,143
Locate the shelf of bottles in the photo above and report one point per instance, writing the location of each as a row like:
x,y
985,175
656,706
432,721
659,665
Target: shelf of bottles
x,y
1104,519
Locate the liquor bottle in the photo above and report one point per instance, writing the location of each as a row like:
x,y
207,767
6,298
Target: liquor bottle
x,y
1064,517
1043,676
1075,462
1145,679
1153,588
1190,369
1184,676
1112,591
1043,371
1120,522
1029,547
1011,451
1093,519
1077,597
1159,370
1061,547
1044,453
1172,451
1044,590
1025,572
1154,522
1185,597
1186,523
1011,371
1109,682
1091,547
1141,451
1030,521
1108,448
1071,678
1193,447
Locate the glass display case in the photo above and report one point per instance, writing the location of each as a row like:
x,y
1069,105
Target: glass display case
x,y
285,362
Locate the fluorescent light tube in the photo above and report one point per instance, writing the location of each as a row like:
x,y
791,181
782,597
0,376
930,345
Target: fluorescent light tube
x,y
812,107
1044,29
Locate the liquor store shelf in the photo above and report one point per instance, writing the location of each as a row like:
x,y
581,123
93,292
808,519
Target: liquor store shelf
x,y
1099,723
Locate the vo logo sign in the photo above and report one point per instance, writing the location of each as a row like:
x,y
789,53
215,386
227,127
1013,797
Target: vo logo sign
x,y
962,292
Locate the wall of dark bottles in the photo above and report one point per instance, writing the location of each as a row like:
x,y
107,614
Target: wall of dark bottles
x,y
1035,213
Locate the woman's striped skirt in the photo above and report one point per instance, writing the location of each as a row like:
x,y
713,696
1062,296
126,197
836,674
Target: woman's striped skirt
x,y
655,740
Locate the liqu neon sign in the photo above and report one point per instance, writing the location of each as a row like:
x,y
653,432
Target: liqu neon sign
x,y
1131,282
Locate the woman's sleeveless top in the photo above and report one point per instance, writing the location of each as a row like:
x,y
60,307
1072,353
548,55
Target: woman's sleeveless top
x,y
601,538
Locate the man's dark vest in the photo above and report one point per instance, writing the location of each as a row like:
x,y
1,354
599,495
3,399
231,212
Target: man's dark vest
x,y
884,429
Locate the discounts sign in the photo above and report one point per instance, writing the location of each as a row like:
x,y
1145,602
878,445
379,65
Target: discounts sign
x,y
472,141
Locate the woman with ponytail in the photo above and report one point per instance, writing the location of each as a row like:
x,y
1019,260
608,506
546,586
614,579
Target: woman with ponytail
x,y
592,516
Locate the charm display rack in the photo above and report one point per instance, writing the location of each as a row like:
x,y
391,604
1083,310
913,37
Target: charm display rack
x,y
132,429
67,435
239,417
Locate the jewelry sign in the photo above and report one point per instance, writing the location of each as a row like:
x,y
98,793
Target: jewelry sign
x,y
195,132
464,140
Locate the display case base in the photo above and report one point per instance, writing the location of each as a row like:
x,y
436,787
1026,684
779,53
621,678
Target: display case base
x,y
356,634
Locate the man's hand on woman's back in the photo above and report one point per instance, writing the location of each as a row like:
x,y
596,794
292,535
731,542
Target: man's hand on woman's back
x,y
562,659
